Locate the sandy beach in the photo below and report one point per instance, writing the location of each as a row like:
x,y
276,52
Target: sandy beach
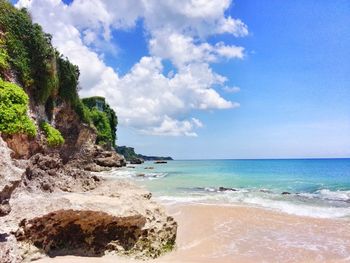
x,y
210,233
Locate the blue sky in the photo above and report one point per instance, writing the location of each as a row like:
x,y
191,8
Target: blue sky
x,y
294,83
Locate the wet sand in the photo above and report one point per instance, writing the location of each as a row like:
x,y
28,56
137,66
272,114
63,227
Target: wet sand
x,y
209,233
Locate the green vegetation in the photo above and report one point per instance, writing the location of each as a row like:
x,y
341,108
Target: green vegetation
x,y
47,77
30,51
101,122
102,117
3,56
130,154
45,74
53,136
13,110
168,246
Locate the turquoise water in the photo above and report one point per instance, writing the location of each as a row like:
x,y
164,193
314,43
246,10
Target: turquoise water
x,y
316,187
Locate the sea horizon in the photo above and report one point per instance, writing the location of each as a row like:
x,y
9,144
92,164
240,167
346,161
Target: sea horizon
x,y
250,159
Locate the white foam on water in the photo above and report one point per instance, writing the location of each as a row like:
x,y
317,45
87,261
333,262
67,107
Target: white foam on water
x,y
255,197
298,209
334,195
117,173
261,200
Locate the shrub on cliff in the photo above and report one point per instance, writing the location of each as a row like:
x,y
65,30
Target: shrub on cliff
x,y
3,56
53,136
13,110
42,71
30,51
101,122
103,118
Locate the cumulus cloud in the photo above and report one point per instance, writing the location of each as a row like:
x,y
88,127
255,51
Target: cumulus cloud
x,y
175,128
231,89
182,50
145,98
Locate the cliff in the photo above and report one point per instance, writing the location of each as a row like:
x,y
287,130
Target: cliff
x,y
130,155
50,141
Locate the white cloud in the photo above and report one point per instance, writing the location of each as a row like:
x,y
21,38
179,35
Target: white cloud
x,y
145,98
229,51
231,89
171,127
182,50
232,26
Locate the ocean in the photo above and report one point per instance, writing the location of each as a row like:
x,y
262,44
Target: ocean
x,y
305,187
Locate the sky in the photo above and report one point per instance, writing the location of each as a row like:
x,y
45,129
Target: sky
x,y
213,79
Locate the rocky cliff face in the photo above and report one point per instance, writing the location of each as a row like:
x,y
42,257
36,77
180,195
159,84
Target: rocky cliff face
x,y
50,202
49,207
10,177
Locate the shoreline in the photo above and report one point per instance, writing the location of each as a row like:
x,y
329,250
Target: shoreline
x,y
213,233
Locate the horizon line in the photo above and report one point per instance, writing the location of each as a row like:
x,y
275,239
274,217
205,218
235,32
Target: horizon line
x,y
252,159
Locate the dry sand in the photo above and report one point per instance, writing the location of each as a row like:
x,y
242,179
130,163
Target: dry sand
x,y
209,233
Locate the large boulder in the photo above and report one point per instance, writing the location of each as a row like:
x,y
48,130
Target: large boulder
x,y
85,232
95,158
116,217
110,159
136,161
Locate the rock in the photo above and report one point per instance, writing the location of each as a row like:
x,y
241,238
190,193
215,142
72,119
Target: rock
x,y
88,232
136,161
95,158
147,195
109,161
48,173
265,191
22,146
140,175
149,167
5,208
115,217
222,189
160,161
9,250
93,167
10,177
285,193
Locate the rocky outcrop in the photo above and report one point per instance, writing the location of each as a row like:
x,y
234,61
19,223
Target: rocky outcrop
x,y
160,162
22,145
225,189
81,232
10,177
116,217
136,161
55,208
48,173
95,158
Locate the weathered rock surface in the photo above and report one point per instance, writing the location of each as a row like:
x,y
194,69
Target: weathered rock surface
x,y
47,173
81,232
95,158
52,208
22,146
114,218
10,177
50,204
136,161
224,189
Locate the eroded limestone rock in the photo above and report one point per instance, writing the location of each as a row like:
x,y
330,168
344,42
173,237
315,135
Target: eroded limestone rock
x,y
81,232
10,177
48,173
